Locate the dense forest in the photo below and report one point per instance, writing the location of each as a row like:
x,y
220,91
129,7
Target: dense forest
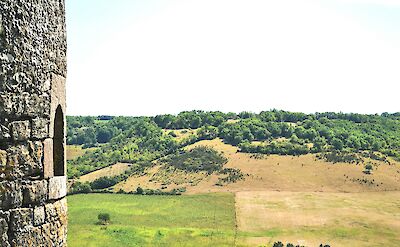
x,y
140,140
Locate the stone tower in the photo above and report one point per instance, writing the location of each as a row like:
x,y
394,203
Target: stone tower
x,y
33,210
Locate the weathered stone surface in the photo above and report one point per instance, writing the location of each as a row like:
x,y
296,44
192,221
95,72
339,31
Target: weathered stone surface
x,y
48,164
31,236
57,187
21,130
10,195
3,164
38,216
34,37
58,98
24,105
32,86
24,160
57,211
51,212
35,193
3,233
40,128
21,219
36,151
62,209
4,132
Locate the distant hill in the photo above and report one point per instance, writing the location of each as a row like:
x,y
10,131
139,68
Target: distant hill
x,y
261,150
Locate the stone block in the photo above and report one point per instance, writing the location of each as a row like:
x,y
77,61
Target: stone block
x,y
62,210
48,158
20,219
11,104
3,233
10,195
35,192
51,212
40,128
24,160
31,236
36,151
4,132
20,130
38,216
57,187
58,98
3,164
48,233
38,106
24,105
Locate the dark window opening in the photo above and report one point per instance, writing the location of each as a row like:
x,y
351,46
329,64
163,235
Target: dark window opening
x,y
58,143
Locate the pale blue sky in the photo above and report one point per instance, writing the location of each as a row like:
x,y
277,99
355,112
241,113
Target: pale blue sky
x,y
130,57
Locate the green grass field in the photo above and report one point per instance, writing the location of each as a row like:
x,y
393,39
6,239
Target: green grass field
x,y
198,220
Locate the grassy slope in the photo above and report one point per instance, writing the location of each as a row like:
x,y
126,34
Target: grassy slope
x,y
309,218
200,220
75,151
274,172
110,171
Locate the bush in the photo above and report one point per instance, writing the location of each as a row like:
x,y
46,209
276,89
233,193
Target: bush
x,y
368,169
103,182
139,191
79,187
200,158
104,218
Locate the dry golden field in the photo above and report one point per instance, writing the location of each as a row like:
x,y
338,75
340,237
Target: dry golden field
x,y
312,218
75,151
109,171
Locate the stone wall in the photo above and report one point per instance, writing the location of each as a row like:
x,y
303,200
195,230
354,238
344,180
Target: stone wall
x,y
33,209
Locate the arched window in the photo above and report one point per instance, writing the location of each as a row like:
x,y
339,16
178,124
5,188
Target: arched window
x,y
58,143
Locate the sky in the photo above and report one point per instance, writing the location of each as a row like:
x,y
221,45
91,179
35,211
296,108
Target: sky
x,y
149,57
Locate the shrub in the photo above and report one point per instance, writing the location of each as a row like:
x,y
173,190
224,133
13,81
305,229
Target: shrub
x,y
103,182
79,187
104,218
201,158
368,169
139,191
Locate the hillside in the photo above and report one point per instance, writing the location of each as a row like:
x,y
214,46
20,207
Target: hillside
x,y
270,132
306,179
274,150
274,172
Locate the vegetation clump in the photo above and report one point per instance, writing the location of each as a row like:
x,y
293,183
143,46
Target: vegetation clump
x,y
340,156
79,187
233,175
104,218
368,169
201,158
280,244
